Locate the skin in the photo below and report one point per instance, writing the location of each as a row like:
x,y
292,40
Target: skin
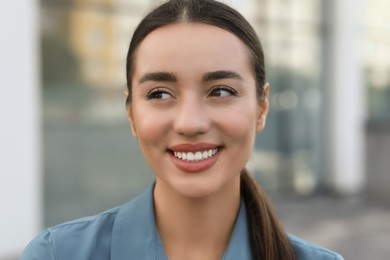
x,y
180,105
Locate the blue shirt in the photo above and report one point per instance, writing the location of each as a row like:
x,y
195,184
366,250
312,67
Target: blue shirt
x,y
130,232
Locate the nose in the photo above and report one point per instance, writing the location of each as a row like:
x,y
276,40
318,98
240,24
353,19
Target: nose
x,y
191,118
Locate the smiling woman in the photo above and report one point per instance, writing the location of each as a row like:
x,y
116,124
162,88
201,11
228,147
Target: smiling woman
x,y
184,107
197,96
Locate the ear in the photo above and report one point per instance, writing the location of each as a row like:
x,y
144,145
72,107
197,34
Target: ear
x,y
130,116
263,106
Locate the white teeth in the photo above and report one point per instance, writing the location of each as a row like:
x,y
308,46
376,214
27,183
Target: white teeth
x,y
197,156
190,156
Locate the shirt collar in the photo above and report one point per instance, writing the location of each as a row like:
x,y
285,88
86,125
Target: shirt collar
x,y
135,233
239,244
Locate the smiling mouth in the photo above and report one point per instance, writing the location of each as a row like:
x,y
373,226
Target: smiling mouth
x,y
195,156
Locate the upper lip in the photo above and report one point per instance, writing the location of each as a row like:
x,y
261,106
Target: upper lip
x,y
193,147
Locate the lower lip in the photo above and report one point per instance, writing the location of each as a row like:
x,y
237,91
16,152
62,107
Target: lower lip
x,y
196,166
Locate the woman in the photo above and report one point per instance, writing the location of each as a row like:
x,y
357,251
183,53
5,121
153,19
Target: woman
x,y
197,95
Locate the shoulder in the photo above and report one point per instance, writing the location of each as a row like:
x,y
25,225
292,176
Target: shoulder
x,y
93,237
306,250
74,239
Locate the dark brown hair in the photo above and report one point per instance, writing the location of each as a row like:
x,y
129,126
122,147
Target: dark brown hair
x,y
268,239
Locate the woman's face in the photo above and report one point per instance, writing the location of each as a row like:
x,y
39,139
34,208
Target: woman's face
x,y
194,108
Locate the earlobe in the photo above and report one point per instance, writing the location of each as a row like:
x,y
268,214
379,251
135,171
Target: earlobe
x,y
263,106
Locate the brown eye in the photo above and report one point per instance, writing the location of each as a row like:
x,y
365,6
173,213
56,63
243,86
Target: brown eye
x,y
158,94
222,91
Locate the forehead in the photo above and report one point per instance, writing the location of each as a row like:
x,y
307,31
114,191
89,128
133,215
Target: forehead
x,y
194,45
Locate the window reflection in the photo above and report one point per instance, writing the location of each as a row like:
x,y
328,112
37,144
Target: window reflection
x,y
376,45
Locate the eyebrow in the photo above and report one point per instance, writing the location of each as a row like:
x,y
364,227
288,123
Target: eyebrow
x,y
170,77
158,76
221,74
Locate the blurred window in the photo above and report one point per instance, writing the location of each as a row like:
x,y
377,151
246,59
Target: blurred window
x,y
287,154
376,57
91,162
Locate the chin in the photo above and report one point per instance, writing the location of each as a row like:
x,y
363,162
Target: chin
x,y
201,188
193,190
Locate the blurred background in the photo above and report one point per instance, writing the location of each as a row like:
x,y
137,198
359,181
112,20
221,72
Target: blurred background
x,y
66,148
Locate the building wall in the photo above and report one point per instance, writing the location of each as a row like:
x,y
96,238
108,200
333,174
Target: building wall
x,y
20,179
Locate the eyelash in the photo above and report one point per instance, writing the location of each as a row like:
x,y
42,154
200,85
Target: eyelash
x,y
231,91
157,91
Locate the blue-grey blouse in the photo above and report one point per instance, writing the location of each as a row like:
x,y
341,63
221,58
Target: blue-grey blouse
x,y
129,232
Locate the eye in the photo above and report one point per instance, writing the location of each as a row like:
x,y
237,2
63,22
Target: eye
x,y
222,91
158,94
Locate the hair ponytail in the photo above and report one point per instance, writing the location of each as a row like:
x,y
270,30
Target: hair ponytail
x,y
268,239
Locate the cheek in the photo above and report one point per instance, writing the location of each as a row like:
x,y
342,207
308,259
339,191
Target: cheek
x,y
151,125
240,124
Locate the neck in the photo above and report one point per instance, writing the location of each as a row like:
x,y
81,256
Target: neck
x,y
196,228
